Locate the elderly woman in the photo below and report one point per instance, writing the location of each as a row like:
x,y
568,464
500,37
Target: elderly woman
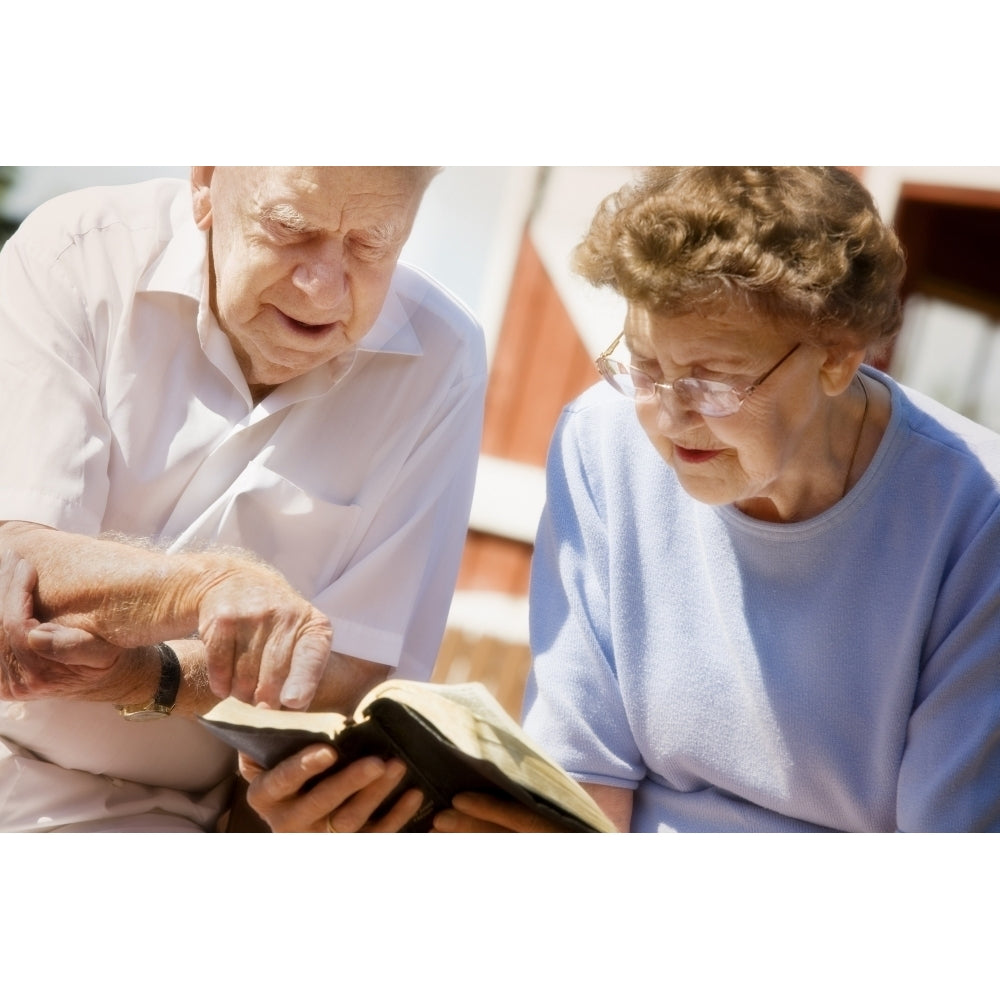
x,y
766,586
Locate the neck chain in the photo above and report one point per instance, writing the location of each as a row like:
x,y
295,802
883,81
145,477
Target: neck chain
x,y
857,442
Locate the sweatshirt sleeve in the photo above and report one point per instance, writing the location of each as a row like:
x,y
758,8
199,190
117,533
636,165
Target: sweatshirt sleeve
x,y
574,703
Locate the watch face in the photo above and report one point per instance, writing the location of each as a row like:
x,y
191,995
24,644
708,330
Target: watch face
x,y
144,715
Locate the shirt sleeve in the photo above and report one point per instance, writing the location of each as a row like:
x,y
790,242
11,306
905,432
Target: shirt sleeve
x,y
56,440
406,569
949,778
574,700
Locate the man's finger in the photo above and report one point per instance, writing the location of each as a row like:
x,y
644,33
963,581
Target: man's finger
x,y
275,663
249,769
285,780
358,808
309,660
220,646
407,806
18,608
71,646
367,798
248,653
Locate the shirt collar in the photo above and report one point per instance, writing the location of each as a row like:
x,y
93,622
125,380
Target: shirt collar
x,y
181,267
393,332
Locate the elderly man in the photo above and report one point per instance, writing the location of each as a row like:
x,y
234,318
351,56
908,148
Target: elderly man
x,y
241,441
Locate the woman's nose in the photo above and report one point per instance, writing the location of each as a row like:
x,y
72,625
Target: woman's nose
x,y
671,412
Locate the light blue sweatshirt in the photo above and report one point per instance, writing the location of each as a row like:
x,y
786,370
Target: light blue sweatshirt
x,y
841,673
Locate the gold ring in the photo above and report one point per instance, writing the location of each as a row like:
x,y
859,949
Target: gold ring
x,y
329,824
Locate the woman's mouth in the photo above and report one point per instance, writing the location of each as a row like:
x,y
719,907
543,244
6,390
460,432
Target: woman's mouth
x,y
694,455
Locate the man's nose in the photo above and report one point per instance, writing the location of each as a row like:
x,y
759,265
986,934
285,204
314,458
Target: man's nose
x,y
322,276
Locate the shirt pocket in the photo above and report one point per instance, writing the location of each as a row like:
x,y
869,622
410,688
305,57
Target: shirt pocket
x,y
304,536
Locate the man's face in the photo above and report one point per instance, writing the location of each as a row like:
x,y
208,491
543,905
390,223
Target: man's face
x,y
302,258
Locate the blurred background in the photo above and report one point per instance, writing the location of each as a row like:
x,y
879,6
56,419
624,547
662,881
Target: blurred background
x,y
500,239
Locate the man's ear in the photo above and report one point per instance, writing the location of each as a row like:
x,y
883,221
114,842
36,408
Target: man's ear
x,y
201,196
839,368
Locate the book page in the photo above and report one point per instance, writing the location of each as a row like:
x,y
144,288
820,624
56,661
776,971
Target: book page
x,y
240,713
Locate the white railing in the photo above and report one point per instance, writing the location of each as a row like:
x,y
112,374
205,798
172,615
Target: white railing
x,y
952,354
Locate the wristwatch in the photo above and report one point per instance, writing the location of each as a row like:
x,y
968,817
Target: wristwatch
x,y
166,694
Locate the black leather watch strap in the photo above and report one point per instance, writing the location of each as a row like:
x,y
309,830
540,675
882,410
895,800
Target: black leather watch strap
x,y
170,677
166,692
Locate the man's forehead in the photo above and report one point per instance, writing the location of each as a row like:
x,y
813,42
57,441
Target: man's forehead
x,y
322,193
333,182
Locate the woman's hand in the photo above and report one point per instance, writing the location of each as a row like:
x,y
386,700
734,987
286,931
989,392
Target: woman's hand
x,y
341,803
474,812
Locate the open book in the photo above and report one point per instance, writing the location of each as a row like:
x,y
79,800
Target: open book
x,y
453,737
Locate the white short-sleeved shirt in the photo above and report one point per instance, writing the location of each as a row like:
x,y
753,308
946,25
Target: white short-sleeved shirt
x,y
125,410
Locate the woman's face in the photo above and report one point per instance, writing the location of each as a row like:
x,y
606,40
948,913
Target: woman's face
x,y
778,457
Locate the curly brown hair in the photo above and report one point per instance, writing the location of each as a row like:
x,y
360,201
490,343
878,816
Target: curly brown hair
x,y
800,245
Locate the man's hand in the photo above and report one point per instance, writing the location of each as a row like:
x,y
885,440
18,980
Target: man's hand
x,y
264,643
341,803
50,661
53,660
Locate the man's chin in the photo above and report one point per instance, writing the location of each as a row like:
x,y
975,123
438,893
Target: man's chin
x,y
273,373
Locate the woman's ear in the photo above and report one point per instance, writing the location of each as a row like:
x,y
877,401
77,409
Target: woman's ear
x,y
201,196
839,368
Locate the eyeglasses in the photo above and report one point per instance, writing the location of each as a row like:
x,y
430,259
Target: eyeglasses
x,y
704,396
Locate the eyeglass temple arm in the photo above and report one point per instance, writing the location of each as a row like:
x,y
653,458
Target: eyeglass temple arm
x,y
614,344
756,385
